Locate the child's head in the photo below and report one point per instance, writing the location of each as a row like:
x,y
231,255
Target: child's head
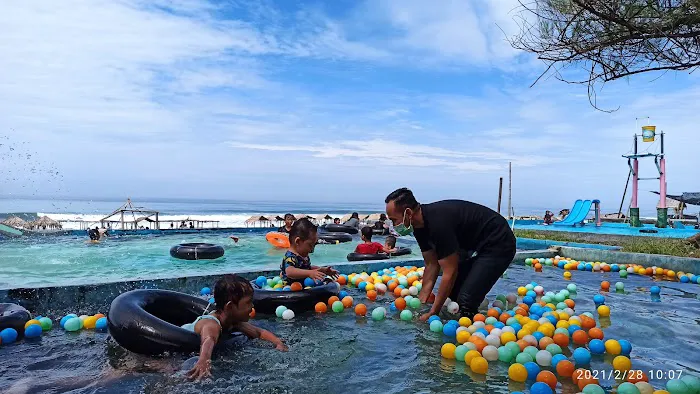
x,y
355,215
336,221
288,219
366,234
303,237
390,241
234,295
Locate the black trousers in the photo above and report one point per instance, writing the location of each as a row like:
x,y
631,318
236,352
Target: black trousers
x,y
476,276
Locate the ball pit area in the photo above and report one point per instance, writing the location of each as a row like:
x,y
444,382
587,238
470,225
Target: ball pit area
x,y
371,334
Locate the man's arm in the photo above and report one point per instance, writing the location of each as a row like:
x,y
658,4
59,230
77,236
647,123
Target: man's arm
x,y
449,275
430,274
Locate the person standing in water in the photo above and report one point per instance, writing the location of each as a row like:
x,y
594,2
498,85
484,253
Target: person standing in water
x,y
472,244
288,222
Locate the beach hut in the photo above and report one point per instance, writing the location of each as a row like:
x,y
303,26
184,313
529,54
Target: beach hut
x,y
45,223
363,217
254,220
15,222
118,216
373,217
324,218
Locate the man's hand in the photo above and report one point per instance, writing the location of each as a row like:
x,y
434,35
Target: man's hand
x,y
281,347
317,275
201,370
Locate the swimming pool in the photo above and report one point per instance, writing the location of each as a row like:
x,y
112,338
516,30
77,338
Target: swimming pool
x,y
613,228
343,353
67,259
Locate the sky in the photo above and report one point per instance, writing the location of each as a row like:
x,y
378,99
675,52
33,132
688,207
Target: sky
x,y
315,101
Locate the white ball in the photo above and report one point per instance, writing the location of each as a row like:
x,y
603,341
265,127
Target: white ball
x,y
569,311
493,341
413,290
508,329
543,358
479,324
543,320
630,270
407,298
596,267
557,257
288,314
461,328
490,353
496,332
644,387
83,317
453,307
539,289
470,345
447,301
478,334
530,340
471,329
381,287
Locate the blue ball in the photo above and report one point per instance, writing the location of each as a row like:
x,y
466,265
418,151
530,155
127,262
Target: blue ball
x,y
66,318
615,268
483,331
561,264
517,327
533,284
599,299
101,323
532,370
393,308
538,335
531,293
205,291
342,294
581,267
308,282
540,388
582,356
362,285
33,331
499,325
655,290
212,300
552,319
38,317
589,267
557,358
8,335
626,347
597,346
433,318
453,322
527,300
684,279
573,328
261,281
450,330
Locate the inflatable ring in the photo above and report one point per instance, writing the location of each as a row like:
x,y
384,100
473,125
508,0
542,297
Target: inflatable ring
x,y
334,238
401,251
149,321
266,301
13,316
197,251
648,231
278,240
366,257
340,228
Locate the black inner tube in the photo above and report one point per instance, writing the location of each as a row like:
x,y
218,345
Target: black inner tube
x,y
365,257
13,316
197,251
401,251
339,228
266,301
334,237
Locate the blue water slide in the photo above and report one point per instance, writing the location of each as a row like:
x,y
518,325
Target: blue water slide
x,y
579,216
568,220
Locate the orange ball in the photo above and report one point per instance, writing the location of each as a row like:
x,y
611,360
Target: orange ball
x,y
595,333
392,285
296,286
605,268
372,295
577,375
99,315
570,303
587,323
545,341
504,317
522,343
649,271
605,285
347,301
586,381
341,281
635,376
538,267
480,343
565,368
252,313
332,300
321,308
548,378
479,317
397,291
580,337
492,313
360,310
561,339
400,303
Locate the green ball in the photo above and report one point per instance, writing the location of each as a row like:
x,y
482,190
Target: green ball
x,y
554,349
502,298
436,326
559,297
620,286
627,388
270,282
571,287
414,303
593,389
565,292
505,354
561,306
406,315
547,299
528,261
623,273
73,324
523,358
46,323
562,331
532,351
677,386
280,310
419,286
378,313
514,348
337,307
460,352
693,383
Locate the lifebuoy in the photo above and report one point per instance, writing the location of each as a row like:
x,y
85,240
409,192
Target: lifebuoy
x,y
339,228
197,251
366,257
266,301
333,238
278,240
13,316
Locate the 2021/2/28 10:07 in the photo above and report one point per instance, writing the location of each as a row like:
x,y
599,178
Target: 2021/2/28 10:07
x,y
634,374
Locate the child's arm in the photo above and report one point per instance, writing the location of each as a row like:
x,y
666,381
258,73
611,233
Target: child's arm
x,y
298,273
252,331
209,333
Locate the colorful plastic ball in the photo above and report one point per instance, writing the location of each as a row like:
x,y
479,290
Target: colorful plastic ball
x,y
288,314
321,307
548,378
517,372
66,318
453,307
540,388
448,351
205,291
677,386
414,303
434,318
450,330
406,315
32,331
342,294
8,336
565,368
89,323
30,322
556,359
644,387
46,323
527,300
337,306
378,313
471,355
603,311
598,299
593,389
623,273
625,347
101,324
479,365
622,363
571,287
280,310
554,349
543,358
524,358
308,282
596,346
582,356
460,352
505,354
619,286
693,383
627,388
613,347
490,353
532,370
655,290
73,324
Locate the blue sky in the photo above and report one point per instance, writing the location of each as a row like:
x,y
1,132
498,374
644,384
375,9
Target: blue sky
x,y
332,101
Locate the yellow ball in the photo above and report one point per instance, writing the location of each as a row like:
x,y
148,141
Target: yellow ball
x,y
547,329
563,316
567,274
463,336
522,291
661,392
472,354
90,322
30,322
507,337
479,365
613,347
603,311
369,287
670,274
448,350
622,363
465,322
517,372
562,324
523,332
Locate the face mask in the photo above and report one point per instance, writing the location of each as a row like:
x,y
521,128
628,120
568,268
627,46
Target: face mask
x,y
401,229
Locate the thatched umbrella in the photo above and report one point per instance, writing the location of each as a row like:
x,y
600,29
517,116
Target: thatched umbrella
x,y
44,223
15,222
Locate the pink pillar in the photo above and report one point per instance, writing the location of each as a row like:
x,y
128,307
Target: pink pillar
x,y
635,183
662,186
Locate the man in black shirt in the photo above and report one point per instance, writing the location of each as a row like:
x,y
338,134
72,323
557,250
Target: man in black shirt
x,y
470,242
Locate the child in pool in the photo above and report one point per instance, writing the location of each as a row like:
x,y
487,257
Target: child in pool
x,y
233,296
296,264
390,244
368,247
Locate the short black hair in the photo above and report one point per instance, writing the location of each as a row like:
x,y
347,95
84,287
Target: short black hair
x,y
231,288
302,228
382,216
367,232
391,240
289,215
403,198
355,215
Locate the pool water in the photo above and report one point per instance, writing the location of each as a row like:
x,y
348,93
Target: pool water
x,y
344,353
69,260
614,228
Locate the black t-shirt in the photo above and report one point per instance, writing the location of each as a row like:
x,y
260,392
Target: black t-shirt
x,y
282,229
452,226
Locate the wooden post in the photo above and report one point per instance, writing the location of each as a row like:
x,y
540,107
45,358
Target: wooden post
x,y
500,193
510,189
